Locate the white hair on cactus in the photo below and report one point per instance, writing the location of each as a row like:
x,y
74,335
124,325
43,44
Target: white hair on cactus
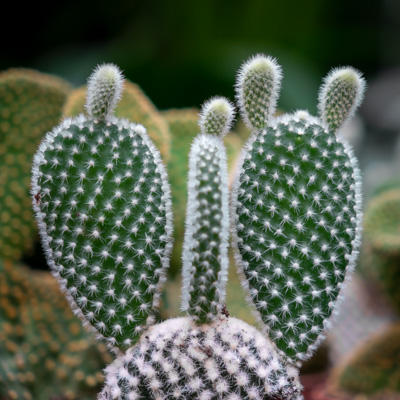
x,y
216,116
105,87
340,95
176,351
257,90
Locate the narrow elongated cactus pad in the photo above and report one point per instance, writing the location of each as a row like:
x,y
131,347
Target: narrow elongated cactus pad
x,y
225,360
297,220
205,256
102,200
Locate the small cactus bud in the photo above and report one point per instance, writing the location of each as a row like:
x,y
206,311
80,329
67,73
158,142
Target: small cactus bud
x,y
216,117
104,91
340,95
257,88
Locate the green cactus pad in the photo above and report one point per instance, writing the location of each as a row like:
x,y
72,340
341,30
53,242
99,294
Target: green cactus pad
x,y
30,105
135,106
298,211
102,200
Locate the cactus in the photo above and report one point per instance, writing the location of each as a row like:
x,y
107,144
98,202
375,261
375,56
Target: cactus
x,y
207,354
297,205
105,222
44,350
30,104
372,370
133,105
380,258
104,214
184,126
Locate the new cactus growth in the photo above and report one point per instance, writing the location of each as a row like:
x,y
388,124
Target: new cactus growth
x,y
102,201
297,205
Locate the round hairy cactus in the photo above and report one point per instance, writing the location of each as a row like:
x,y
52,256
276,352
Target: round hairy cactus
x,y
297,205
102,201
177,359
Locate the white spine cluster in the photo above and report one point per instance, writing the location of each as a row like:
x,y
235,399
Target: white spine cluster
x,y
105,87
257,90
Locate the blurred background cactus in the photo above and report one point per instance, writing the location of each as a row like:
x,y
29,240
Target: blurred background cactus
x,y
30,104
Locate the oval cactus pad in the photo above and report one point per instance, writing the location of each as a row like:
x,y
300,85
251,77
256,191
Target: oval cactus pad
x,y
297,215
102,201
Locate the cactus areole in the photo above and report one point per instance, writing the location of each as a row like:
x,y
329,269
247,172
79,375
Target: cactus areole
x,y
102,201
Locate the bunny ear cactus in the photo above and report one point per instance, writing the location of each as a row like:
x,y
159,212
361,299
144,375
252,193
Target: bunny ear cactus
x,y
102,201
184,126
205,355
296,205
205,248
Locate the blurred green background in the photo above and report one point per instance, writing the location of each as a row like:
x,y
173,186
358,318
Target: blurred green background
x,y
183,52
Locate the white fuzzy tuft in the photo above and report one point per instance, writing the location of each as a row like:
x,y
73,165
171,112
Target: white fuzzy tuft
x,y
216,116
105,87
340,95
257,90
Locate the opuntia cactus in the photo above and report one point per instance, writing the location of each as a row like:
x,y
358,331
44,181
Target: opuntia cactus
x,y
101,196
103,205
297,205
207,354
